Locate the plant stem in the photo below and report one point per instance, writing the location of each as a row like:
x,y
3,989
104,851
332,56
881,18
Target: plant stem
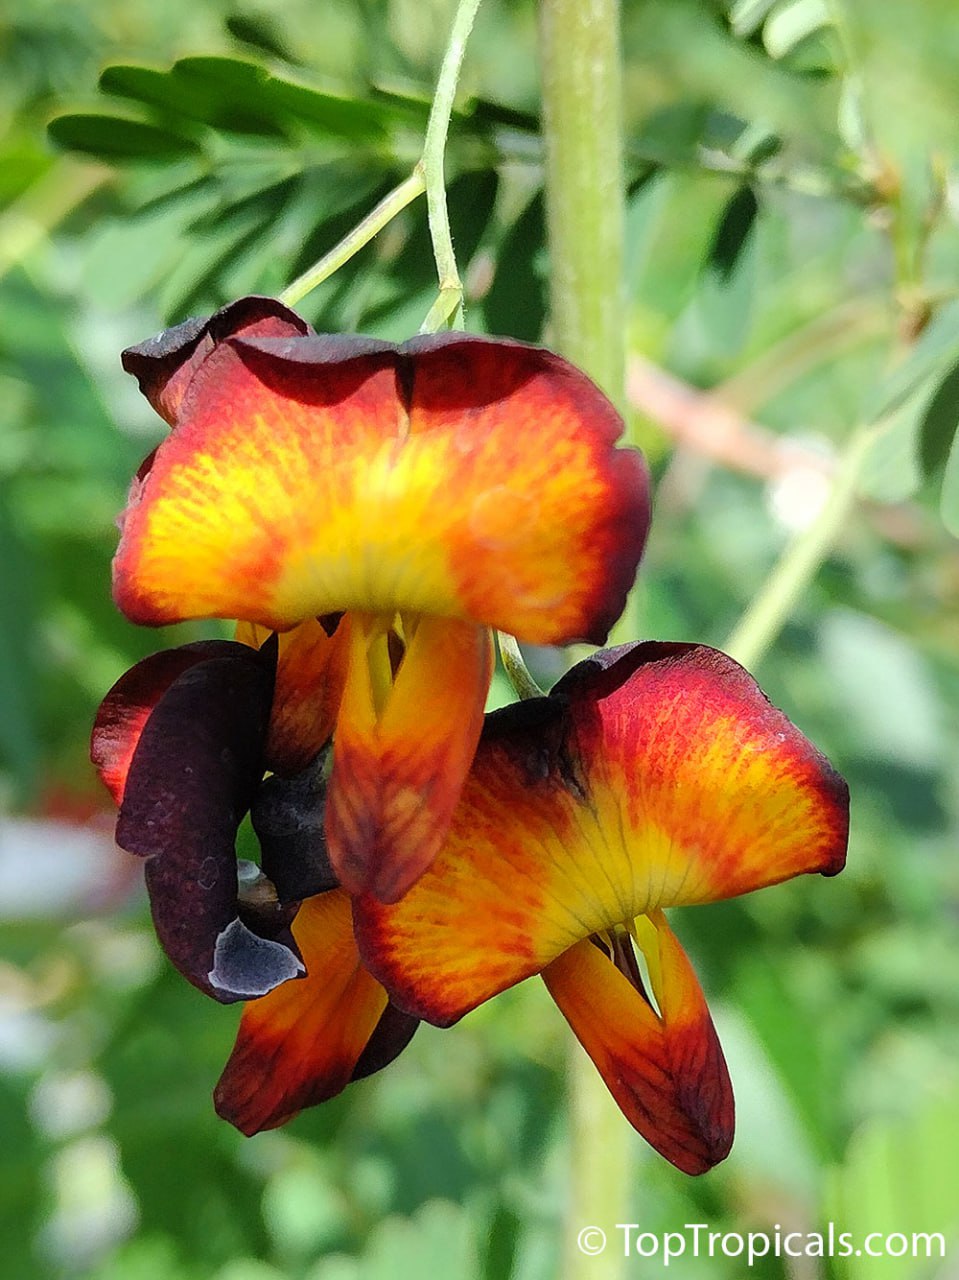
x,y
768,612
514,664
583,136
428,175
450,300
364,231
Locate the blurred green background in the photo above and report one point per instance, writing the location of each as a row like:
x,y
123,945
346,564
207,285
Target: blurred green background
x,y
793,274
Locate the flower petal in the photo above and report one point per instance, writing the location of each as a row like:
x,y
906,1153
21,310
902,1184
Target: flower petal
x,y
398,769
288,818
459,477
554,518
303,1042
311,671
719,792
197,761
666,1071
131,701
165,366
654,775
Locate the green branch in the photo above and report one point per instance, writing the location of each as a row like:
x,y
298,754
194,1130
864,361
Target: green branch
x,y
428,175
449,303
585,208
364,231
583,136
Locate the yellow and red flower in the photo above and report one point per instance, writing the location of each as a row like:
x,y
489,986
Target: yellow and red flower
x,y
182,741
433,490
653,776
370,513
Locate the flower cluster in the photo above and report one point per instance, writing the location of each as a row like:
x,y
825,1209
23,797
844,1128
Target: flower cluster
x,y
369,514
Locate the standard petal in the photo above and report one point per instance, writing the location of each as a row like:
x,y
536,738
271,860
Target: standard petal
x,y
654,775
302,1043
129,704
460,477
189,783
402,750
666,1070
311,671
551,518
166,365
249,509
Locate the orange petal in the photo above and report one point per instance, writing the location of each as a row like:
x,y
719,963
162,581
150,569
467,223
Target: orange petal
x,y
458,477
402,750
310,675
654,775
719,792
553,518
666,1071
300,1044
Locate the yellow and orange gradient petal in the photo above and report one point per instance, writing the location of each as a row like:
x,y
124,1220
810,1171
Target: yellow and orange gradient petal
x,y
300,1044
403,748
664,1066
311,668
457,477
654,776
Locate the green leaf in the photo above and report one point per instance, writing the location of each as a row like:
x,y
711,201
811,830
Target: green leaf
x,y
932,356
746,16
891,470
236,74
259,32
791,23
237,96
117,139
939,423
733,232
339,116
516,301
127,256
863,656
949,500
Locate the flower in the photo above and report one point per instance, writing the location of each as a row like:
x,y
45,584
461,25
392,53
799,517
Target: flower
x,y
653,776
433,490
182,741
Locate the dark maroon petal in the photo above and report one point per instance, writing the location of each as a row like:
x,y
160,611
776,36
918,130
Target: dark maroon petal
x,y
166,364
190,782
390,1037
312,348
329,622
287,815
127,707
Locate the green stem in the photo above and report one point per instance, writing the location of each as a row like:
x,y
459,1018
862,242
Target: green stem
x,y
428,175
583,136
364,231
450,300
514,664
770,609
581,73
